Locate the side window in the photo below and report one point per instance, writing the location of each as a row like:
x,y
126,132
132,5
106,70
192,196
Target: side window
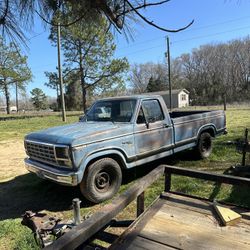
x,y
152,111
141,118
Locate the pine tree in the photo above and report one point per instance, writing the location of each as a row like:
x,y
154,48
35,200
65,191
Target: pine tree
x,y
88,51
39,99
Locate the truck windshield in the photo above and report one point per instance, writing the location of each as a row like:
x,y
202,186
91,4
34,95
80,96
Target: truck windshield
x,y
112,110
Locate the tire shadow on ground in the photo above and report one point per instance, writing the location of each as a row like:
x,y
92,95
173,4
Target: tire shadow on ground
x,y
28,192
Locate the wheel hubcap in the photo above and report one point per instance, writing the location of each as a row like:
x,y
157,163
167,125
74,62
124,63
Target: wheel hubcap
x,y
206,144
102,181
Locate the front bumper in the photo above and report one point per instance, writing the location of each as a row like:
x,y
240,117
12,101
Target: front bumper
x,y
45,172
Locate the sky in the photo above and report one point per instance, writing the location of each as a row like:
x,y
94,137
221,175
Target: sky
x,y
215,21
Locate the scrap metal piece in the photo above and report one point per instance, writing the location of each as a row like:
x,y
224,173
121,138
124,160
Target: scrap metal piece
x,y
42,225
47,229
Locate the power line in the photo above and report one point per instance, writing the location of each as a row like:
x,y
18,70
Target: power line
x,y
185,40
188,30
173,42
214,34
139,51
32,37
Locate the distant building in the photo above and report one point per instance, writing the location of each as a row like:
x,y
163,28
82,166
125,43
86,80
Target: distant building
x,y
180,97
13,109
4,109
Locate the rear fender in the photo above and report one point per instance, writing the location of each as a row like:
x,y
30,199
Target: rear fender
x,y
210,128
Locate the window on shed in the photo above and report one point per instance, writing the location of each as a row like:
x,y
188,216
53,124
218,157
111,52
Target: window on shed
x,y
183,97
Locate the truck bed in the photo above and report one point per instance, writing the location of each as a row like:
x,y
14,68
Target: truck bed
x,y
187,125
180,222
176,114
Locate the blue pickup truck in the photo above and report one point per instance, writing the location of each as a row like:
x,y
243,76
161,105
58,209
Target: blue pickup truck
x,y
115,134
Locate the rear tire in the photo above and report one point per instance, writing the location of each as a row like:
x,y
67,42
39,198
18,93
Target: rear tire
x,y
204,146
102,180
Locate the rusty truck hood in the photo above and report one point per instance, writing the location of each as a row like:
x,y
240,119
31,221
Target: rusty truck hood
x,y
80,133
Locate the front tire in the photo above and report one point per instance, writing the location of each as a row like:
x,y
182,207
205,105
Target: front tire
x,y
204,146
102,180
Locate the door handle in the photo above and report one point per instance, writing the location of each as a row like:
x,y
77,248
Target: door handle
x,y
166,125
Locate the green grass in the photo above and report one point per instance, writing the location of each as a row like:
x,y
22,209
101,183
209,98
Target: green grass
x,y
27,192
15,129
14,236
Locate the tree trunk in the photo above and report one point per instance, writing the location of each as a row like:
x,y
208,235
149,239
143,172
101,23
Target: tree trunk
x,y
7,96
84,96
17,108
83,85
57,97
225,101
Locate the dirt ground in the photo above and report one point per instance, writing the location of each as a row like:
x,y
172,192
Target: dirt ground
x,y
12,154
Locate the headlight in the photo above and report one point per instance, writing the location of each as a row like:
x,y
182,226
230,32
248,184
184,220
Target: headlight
x,y
62,152
63,156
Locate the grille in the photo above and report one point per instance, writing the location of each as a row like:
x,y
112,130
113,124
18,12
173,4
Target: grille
x,y
41,152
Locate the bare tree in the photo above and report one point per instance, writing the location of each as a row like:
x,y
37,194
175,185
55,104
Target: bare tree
x,y
216,73
140,75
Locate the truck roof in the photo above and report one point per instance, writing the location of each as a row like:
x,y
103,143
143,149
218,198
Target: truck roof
x,y
142,96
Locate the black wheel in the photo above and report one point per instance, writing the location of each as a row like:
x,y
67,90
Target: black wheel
x,y
204,146
102,180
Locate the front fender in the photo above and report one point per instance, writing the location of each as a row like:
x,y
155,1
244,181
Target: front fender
x,y
97,155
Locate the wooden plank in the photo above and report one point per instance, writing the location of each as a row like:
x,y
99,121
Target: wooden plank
x,y
189,203
140,243
202,205
133,230
96,222
227,216
201,220
185,229
197,213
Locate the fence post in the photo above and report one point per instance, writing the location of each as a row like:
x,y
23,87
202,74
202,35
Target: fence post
x,y
167,180
140,204
244,148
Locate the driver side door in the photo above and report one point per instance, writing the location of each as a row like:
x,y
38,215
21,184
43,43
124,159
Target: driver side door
x,y
153,132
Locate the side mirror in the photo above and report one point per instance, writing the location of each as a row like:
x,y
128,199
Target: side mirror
x,y
82,118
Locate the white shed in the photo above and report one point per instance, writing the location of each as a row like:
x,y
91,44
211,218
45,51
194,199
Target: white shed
x,y
180,97
4,109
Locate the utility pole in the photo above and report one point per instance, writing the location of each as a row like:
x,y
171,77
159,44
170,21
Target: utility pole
x,y
167,54
60,71
17,106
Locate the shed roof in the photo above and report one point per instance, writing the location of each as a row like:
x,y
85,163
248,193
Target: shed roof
x,y
174,91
